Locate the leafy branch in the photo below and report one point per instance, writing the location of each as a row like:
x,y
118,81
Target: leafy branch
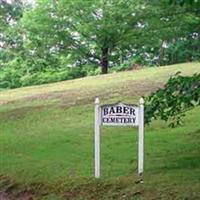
x,y
180,94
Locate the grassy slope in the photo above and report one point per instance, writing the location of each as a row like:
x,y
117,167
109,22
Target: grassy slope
x,y
46,141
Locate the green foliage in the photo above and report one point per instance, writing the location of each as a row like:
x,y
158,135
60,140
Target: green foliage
x,y
90,70
9,12
130,64
10,75
91,35
186,2
16,75
182,50
179,94
112,31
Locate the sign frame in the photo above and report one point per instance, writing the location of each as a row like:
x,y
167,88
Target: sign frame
x,y
98,123
118,116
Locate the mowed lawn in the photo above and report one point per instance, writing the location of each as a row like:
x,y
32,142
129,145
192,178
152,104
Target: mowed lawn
x,y
47,151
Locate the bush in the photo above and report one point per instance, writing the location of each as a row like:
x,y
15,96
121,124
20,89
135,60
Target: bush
x,y
10,78
131,63
50,76
91,70
16,74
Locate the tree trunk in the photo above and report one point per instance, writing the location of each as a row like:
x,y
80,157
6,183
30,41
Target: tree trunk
x,y
104,61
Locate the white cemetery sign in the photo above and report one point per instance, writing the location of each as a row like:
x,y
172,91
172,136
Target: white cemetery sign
x,y
119,115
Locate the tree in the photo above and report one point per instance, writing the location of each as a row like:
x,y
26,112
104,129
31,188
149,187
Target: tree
x,y
54,36
10,39
106,33
9,12
99,32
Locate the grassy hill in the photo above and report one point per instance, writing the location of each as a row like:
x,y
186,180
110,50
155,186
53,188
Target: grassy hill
x,y
46,142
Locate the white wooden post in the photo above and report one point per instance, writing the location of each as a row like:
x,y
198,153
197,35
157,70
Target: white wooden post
x,y
141,138
97,138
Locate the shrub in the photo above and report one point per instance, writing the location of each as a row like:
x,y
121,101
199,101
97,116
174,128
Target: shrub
x,y
91,70
13,77
10,78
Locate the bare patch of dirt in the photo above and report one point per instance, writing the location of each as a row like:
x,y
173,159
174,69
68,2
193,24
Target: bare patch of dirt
x,y
22,196
4,196
25,196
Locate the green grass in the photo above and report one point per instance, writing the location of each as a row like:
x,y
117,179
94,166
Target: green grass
x,y
46,142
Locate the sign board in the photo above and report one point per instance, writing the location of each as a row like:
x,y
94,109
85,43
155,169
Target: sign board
x,y
119,115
